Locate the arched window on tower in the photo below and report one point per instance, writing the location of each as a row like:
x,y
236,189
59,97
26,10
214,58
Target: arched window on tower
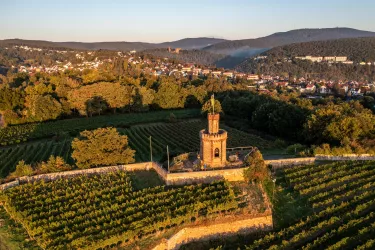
x,y
217,153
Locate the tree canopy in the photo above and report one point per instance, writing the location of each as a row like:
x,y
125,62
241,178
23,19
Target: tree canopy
x,y
101,147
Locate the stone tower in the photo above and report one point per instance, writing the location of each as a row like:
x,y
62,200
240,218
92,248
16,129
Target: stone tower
x,y
213,151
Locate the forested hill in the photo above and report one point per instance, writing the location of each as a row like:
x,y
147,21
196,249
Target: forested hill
x,y
187,43
293,36
187,56
356,49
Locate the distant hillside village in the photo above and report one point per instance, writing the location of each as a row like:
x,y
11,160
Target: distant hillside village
x,y
321,59
166,67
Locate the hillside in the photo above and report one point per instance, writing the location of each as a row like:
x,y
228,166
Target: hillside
x,y
356,49
238,50
293,36
191,43
187,43
187,56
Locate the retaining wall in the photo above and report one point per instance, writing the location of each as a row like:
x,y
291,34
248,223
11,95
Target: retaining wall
x,y
346,157
68,174
290,162
191,234
235,174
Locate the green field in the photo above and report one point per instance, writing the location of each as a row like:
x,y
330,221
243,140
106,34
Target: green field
x,y
106,210
180,137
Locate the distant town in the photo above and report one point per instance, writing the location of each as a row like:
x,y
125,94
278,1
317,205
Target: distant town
x,y
257,82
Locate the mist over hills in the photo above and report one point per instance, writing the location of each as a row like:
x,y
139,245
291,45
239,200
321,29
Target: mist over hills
x,y
238,50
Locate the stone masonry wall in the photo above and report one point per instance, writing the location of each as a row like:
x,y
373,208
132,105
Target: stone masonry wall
x,y
346,157
290,162
235,174
191,234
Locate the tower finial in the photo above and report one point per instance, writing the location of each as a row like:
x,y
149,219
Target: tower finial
x,y
213,103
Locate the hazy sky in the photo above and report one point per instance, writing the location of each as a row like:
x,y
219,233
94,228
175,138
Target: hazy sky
x,y
160,20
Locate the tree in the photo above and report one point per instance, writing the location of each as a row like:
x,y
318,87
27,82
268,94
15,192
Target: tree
x,y
207,107
11,99
170,96
101,147
114,94
22,169
256,168
335,122
54,164
95,105
42,108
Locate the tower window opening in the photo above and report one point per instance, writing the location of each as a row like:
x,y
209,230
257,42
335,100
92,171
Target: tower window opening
x,y
217,153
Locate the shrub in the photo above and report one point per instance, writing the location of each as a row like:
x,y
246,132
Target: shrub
x,y
257,169
22,169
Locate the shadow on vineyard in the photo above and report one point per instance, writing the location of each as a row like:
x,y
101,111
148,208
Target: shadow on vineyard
x,y
145,179
288,205
13,235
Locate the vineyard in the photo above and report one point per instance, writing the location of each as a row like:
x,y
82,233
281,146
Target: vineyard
x,y
33,153
342,197
21,133
181,137
97,211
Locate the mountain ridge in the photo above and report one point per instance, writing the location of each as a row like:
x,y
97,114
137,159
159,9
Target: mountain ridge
x,y
185,43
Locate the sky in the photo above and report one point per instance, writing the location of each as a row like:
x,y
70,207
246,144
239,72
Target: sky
x,y
161,20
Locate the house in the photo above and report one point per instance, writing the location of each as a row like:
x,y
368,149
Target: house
x,y
216,73
323,90
355,91
282,84
316,58
330,58
341,58
186,69
206,71
348,62
197,71
310,88
240,75
252,77
228,74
